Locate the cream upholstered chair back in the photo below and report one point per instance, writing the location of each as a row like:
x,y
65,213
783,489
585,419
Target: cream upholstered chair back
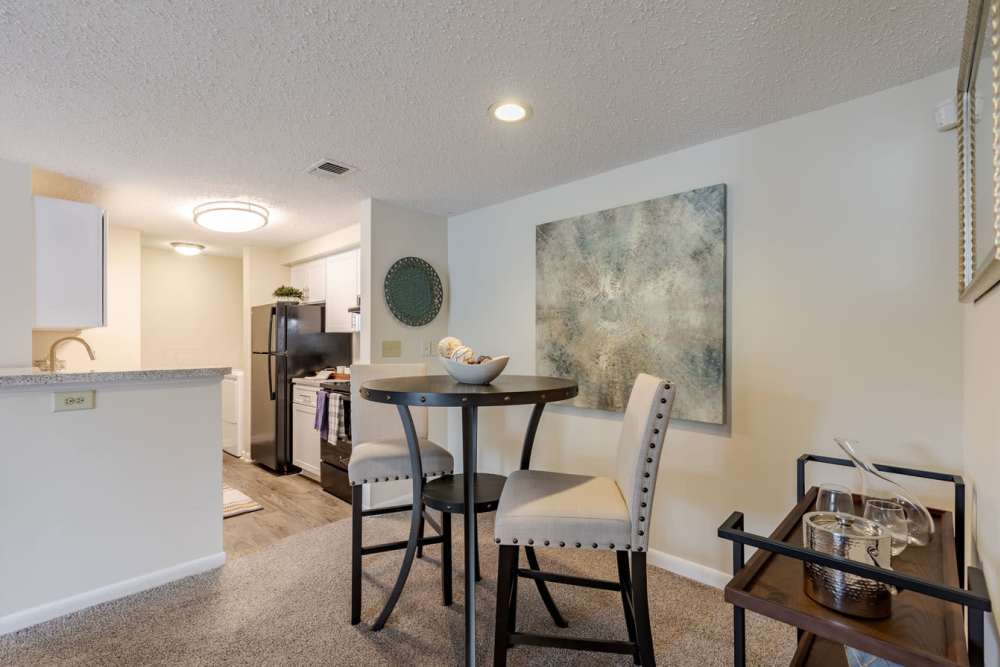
x,y
374,421
639,448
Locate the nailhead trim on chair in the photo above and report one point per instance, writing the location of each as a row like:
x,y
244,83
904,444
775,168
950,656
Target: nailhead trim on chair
x,y
401,477
646,471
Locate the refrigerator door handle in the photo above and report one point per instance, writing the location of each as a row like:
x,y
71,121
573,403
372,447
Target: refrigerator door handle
x,y
270,378
270,332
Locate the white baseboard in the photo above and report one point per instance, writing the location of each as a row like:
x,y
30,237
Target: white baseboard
x,y
688,569
46,612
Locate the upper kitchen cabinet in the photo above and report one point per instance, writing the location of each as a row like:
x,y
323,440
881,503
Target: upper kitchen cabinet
x,y
310,277
70,264
343,286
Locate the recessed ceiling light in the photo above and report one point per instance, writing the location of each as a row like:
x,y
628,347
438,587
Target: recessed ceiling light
x,y
230,216
510,112
189,249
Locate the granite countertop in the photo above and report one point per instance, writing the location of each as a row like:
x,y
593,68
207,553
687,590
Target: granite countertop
x,y
32,377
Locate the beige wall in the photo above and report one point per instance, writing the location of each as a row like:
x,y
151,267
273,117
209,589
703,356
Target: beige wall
x,y
17,264
191,310
981,421
844,318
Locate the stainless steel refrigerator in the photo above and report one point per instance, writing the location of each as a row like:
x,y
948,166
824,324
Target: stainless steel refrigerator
x,y
287,341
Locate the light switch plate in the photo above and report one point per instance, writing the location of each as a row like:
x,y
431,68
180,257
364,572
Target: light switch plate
x,y
392,348
73,400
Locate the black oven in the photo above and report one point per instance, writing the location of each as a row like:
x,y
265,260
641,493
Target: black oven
x,y
336,452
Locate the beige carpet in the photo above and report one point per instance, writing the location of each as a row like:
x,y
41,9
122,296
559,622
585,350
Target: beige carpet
x,y
288,604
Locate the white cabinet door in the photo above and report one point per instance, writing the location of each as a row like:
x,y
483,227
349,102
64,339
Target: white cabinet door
x,y
305,440
316,280
310,277
70,264
342,289
300,279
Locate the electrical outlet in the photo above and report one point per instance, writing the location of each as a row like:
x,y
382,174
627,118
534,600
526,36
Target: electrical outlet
x,y
73,400
429,348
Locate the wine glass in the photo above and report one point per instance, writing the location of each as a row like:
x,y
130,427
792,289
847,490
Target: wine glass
x,y
834,498
892,516
875,484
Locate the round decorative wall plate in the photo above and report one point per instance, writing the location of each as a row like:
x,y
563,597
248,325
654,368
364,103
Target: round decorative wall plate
x,y
413,291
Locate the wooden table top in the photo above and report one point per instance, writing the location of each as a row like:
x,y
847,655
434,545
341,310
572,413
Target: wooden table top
x,y
921,630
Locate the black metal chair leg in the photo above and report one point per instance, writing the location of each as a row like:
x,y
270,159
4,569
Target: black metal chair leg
x,y
420,535
643,633
416,516
505,578
512,605
446,558
543,590
625,580
479,575
356,554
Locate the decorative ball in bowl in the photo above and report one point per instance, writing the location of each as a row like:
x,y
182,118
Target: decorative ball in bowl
x,y
481,373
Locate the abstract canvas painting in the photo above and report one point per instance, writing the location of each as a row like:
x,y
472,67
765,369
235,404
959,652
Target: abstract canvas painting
x,y
637,289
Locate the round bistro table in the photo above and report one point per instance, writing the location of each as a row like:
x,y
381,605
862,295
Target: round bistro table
x,y
441,391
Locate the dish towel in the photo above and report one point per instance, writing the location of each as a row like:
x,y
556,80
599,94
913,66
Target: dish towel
x,y
337,415
322,423
330,411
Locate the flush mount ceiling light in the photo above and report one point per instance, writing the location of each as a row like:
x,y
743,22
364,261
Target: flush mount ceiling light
x,y
510,111
188,249
230,216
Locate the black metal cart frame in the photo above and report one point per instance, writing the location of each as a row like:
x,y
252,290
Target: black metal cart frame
x,y
974,597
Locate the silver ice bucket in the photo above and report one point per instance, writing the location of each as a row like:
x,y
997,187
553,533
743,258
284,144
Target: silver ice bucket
x,y
854,538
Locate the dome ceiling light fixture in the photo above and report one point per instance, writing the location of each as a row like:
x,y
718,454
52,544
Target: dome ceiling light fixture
x,y
510,111
187,249
232,217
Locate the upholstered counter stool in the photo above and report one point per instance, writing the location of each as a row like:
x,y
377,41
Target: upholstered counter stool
x,y
554,510
380,454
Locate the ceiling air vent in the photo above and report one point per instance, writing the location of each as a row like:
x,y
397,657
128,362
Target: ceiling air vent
x,y
329,169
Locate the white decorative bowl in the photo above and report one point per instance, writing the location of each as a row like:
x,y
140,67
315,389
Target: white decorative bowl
x,y
483,373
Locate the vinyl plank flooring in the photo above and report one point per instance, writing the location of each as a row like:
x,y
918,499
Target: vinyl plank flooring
x,y
292,504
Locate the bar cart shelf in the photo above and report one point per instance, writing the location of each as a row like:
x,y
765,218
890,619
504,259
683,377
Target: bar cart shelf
x,y
927,625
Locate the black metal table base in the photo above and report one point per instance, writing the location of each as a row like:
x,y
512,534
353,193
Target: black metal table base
x,y
441,391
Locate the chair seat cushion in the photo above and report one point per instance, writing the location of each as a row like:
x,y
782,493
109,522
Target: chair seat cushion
x,y
559,510
388,460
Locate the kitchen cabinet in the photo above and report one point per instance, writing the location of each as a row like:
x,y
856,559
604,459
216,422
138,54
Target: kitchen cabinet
x,y
310,277
70,265
305,437
343,285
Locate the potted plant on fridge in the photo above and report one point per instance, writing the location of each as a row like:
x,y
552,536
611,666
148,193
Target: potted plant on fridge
x,y
286,293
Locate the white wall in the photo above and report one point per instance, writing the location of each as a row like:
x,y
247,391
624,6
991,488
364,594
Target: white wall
x,y
392,233
112,500
17,264
843,320
329,244
981,422
192,310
